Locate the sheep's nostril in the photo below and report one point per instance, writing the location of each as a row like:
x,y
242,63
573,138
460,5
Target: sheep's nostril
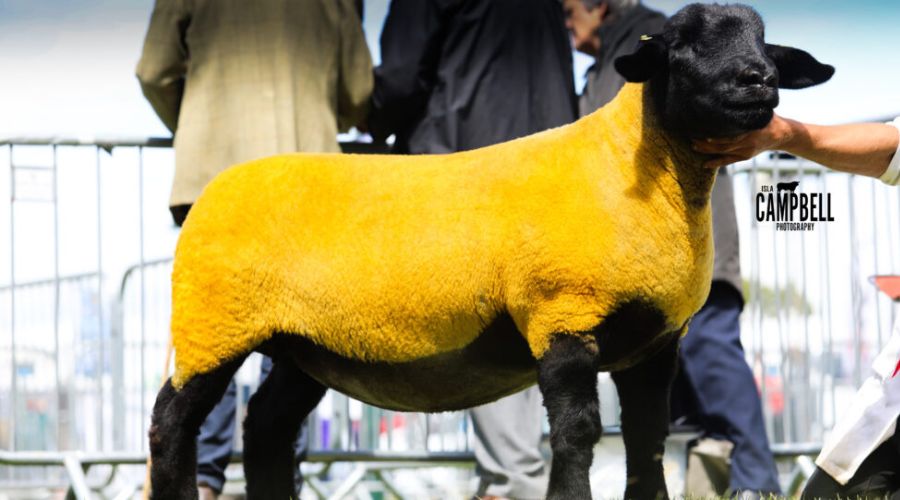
x,y
750,78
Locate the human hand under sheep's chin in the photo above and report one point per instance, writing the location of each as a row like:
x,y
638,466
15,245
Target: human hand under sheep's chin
x,y
726,150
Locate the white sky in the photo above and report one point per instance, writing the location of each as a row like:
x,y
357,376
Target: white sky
x,y
67,67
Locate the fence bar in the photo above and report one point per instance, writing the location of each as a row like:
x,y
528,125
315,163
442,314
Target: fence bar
x,y
390,427
807,361
143,387
49,458
61,411
756,294
890,237
825,298
12,300
108,144
46,282
787,418
854,286
101,364
875,265
103,143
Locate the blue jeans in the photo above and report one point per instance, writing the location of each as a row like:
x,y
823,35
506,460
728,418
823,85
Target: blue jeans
x,y
214,443
715,389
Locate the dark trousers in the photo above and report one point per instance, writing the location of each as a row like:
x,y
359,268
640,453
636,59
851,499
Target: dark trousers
x,y
214,443
877,477
715,389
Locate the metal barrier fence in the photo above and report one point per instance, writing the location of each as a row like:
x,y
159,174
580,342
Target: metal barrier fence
x,y
84,305
813,322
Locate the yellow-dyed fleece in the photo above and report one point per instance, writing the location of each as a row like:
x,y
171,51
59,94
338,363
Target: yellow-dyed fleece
x,y
395,258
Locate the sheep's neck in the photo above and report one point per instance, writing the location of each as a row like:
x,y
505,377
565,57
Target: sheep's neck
x,y
656,152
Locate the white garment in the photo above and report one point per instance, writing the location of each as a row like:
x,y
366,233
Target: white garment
x,y
869,420
892,174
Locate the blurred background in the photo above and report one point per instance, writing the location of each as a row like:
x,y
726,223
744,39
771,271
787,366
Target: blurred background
x,y
86,242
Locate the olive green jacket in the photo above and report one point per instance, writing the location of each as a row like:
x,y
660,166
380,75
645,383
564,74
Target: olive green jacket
x,y
236,80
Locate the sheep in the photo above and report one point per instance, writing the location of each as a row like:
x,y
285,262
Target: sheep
x,y
434,283
788,186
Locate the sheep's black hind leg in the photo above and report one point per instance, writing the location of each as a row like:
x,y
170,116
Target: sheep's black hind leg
x,y
567,376
274,416
644,396
177,415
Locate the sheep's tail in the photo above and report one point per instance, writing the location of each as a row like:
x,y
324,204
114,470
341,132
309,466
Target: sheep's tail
x,y
145,491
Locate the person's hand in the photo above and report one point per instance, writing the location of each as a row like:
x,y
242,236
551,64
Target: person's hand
x,y
728,150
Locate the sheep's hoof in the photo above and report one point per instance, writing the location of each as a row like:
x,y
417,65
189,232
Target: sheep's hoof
x,y
646,492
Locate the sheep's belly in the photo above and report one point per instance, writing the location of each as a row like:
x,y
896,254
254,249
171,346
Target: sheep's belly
x,y
496,364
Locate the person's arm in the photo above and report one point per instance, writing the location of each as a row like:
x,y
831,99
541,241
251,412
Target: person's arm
x,y
410,49
163,64
864,148
355,67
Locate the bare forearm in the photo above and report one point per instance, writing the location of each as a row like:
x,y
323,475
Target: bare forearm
x,y
864,148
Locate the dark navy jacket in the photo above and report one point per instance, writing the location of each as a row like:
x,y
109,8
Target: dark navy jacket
x,y
461,74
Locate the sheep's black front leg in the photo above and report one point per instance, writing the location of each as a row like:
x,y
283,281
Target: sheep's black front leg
x,y
567,376
177,415
644,396
274,416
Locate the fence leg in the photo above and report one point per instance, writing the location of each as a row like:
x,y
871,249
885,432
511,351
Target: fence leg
x,y
803,470
352,480
77,482
127,492
316,488
388,484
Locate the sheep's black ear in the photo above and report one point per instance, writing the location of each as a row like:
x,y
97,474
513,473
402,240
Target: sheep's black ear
x,y
797,69
650,57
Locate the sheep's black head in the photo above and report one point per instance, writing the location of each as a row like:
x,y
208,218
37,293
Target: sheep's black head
x,y
711,73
